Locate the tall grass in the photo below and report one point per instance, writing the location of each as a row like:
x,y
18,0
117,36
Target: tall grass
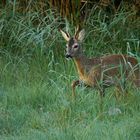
x,y
35,79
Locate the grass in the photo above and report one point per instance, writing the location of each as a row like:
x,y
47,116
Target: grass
x,y
37,104
35,79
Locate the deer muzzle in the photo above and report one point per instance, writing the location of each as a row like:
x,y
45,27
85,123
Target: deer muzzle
x,y
68,56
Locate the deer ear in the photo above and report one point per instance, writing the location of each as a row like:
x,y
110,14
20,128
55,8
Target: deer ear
x,y
81,35
65,35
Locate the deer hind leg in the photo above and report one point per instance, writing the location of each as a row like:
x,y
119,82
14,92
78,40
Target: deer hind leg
x,y
137,83
136,80
118,92
121,89
102,90
74,84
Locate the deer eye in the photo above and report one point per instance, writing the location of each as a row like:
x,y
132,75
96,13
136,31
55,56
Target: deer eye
x,y
75,46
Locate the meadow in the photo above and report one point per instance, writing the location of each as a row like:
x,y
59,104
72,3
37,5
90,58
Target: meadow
x,y
35,79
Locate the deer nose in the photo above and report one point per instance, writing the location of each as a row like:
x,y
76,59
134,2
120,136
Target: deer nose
x,y
68,56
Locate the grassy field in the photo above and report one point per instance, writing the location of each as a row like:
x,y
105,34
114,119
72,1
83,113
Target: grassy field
x,y
35,79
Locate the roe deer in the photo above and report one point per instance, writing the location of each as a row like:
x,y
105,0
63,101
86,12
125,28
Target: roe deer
x,y
100,72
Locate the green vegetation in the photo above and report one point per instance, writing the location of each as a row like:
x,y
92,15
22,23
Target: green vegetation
x,y
35,79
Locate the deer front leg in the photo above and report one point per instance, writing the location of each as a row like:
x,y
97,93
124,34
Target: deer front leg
x,y
74,84
102,90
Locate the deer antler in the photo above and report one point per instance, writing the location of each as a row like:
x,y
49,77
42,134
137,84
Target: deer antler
x,y
77,29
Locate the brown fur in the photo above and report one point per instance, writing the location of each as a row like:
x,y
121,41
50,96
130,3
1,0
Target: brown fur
x,y
104,71
91,70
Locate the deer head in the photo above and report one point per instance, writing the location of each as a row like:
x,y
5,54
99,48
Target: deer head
x,y
73,47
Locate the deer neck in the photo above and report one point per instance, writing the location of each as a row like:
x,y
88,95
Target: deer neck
x,y
81,64
84,64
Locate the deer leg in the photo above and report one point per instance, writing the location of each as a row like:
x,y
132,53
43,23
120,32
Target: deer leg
x,y
117,93
74,84
102,91
121,90
137,83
